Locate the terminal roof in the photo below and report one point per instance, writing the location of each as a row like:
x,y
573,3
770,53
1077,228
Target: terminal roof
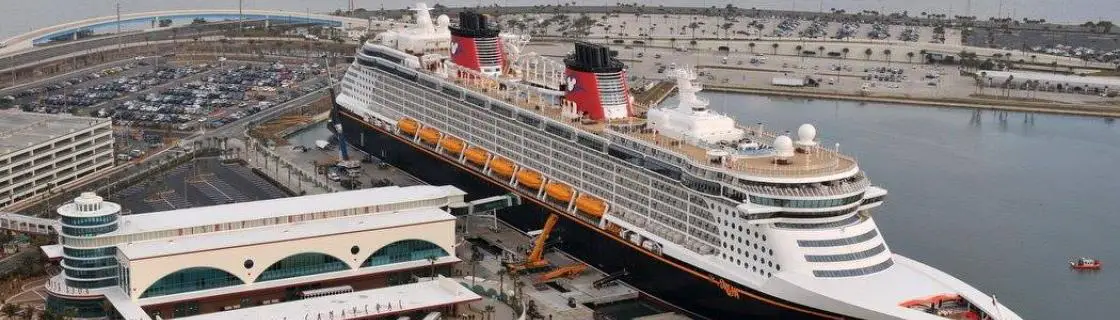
x,y
19,130
281,232
360,304
244,211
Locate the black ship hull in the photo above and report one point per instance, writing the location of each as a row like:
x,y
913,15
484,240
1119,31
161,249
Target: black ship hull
x,y
693,290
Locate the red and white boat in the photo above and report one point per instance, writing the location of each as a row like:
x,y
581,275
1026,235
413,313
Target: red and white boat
x,y
1084,263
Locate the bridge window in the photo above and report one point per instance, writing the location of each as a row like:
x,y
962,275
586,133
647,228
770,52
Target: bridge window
x,y
191,279
404,251
303,264
854,272
805,203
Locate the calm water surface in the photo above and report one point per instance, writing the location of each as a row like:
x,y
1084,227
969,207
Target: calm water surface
x,y
1001,205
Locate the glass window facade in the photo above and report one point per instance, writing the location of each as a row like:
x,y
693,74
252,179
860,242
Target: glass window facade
x,y
854,272
839,242
404,250
846,256
303,264
191,279
76,308
826,203
88,221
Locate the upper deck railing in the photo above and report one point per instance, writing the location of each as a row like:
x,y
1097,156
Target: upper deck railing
x,y
816,161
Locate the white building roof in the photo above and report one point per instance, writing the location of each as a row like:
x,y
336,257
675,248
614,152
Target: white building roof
x,y
280,232
360,304
1056,78
245,211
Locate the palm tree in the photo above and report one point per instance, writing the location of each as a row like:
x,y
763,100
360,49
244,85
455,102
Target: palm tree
x,y
489,310
910,56
750,47
887,52
845,52
775,47
432,262
868,53
28,312
9,310
820,50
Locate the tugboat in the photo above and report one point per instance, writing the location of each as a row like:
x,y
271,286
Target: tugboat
x,y
1084,263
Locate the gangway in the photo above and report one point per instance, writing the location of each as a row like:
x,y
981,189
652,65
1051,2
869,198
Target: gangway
x,y
22,223
610,278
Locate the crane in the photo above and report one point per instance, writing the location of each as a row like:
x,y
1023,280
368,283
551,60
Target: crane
x,y
536,258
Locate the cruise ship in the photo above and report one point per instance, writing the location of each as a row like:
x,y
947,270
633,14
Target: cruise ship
x,y
722,220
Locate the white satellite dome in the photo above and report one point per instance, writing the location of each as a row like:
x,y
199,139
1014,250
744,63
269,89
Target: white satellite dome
x,y
783,147
443,20
806,135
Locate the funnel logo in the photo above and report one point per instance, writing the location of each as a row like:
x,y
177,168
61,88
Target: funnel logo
x,y
454,47
571,83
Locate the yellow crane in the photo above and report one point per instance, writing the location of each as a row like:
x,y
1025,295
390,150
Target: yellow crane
x,y
536,256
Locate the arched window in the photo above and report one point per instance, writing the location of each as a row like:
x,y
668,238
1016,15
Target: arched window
x,y
303,264
191,279
404,250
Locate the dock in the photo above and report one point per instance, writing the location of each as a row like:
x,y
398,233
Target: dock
x,y
561,298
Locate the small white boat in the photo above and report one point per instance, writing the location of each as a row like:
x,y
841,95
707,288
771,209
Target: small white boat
x,y
322,144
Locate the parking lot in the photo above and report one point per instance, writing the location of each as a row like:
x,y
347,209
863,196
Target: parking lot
x,y
79,93
203,182
227,94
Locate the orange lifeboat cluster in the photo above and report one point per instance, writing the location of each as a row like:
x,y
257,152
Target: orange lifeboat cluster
x,y
530,178
409,126
559,191
476,155
452,144
501,166
429,135
591,205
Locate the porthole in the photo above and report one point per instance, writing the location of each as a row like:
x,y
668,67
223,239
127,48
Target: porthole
x,y
778,267
248,264
764,237
354,250
771,252
771,264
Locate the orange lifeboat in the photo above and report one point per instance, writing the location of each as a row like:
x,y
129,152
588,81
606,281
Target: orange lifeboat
x,y
591,205
407,125
452,144
559,191
429,135
501,166
476,155
529,178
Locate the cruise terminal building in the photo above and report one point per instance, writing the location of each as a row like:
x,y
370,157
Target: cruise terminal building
x,y
357,253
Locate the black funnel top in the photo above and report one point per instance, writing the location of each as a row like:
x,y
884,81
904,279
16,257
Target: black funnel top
x,y
594,58
474,25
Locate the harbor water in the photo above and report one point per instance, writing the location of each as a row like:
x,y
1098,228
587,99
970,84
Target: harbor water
x,y
1001,201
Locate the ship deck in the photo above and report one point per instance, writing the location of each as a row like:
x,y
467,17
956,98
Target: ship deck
x,y
818,161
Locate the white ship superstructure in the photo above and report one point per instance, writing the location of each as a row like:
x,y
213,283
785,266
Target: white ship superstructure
x,y
764,216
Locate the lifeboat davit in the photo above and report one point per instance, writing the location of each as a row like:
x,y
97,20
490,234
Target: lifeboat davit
x,y
452,144
409,126
429,135
1085,264
476,155
591,205
501,166
529,178
559,191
